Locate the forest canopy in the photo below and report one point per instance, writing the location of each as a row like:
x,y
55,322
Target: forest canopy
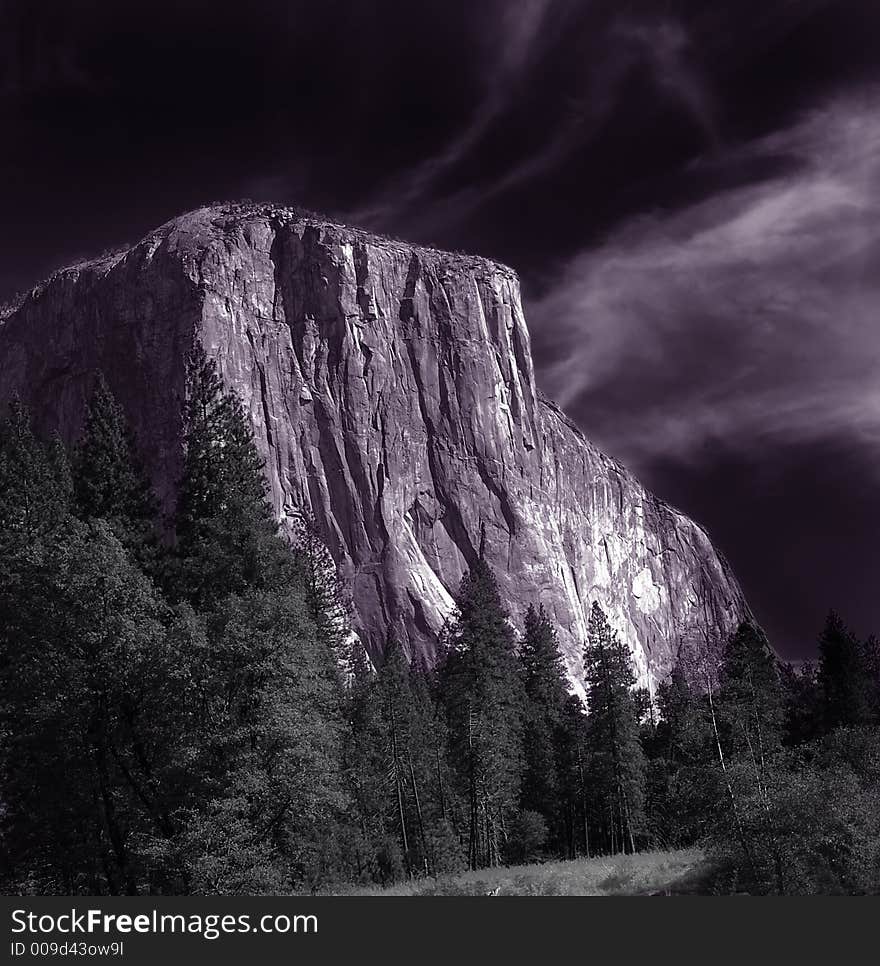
x,y
185,709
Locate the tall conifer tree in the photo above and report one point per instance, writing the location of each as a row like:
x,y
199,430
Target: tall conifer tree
x,y
545,690
750,699
226,536
482,694
326,594
682,787
751,719
34,480
109,480
843,676
617,760
81,640
266,735
573,757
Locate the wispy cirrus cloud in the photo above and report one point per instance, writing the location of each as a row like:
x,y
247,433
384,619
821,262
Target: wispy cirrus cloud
x,y
601,49
751,316
522,29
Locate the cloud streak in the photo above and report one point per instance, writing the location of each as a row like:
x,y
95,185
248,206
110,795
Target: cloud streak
x,y
601,51
748,318
522,29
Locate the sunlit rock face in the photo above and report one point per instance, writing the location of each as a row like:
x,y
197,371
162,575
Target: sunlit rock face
x,y
392,393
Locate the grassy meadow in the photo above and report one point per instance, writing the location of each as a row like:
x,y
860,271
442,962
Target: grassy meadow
x,y
646,873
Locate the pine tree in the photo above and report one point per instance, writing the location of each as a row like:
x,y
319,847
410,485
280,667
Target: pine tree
x,y
482,694
81,652
682,732
544,685
683,788
226,537
802,697
572,755
327,596
751,721
264,749
842,676
109,481
618,761
430,739
376,850
266,736
78,661
750,698
401,734
394,761
34,482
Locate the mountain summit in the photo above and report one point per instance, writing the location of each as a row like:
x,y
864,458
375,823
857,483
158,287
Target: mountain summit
x,y
392,394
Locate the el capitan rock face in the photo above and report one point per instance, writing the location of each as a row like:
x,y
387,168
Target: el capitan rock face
x,y
391,391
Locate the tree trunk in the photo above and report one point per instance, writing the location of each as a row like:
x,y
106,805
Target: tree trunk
x,y
474,814
583,791
419,817
399,787
440,792
736,816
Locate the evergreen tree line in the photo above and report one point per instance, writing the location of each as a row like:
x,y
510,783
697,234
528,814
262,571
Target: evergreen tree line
x,y
171,712
182,711
775,769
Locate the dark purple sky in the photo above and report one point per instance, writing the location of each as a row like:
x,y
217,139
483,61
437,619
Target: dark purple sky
x,y
690,191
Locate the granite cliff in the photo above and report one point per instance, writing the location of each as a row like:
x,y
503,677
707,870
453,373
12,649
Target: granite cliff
x,y
391,391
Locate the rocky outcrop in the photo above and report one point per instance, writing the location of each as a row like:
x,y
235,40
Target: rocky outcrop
x,y
391,391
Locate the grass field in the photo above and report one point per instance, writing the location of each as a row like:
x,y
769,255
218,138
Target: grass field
x,y
647,873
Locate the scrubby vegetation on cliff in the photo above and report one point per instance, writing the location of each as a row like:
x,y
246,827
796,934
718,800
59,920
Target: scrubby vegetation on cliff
x,y
183,711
